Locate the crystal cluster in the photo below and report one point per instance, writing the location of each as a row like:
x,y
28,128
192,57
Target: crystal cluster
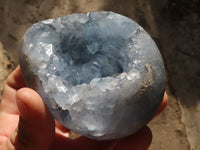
x,y
100,74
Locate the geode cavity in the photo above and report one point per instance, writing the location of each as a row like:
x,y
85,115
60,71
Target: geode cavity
x,y
100,74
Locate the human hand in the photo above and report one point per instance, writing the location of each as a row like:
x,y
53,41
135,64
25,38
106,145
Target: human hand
x,y
26,124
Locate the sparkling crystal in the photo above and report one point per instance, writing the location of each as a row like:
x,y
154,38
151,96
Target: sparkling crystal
x,y
100,74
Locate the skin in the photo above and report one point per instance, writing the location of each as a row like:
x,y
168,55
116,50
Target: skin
x,y
26,124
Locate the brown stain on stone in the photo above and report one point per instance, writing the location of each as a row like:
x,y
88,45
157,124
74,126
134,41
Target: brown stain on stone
x,y
148,80
58,107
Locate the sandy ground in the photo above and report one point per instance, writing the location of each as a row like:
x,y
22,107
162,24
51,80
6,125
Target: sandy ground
x,y
6,66
175,26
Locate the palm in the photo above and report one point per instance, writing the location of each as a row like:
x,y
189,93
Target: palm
x,y
9,119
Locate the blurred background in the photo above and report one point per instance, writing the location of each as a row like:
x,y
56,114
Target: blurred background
x,y
173,24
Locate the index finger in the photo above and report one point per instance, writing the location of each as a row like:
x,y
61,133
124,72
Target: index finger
x,y
15,80
163,105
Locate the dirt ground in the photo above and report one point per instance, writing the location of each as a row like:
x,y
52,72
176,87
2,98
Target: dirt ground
x,y
174,25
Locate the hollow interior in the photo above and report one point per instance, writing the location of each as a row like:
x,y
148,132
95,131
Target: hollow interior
x,y
81,57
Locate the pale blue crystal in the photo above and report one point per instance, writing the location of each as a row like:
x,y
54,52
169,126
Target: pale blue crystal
x,y
100,74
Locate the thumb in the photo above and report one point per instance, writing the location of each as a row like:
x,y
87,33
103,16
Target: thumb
x,y
36,128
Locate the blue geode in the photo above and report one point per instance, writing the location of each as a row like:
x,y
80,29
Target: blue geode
x,y
100,74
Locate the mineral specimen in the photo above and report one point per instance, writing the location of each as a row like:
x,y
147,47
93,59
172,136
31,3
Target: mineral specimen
x,y
100,74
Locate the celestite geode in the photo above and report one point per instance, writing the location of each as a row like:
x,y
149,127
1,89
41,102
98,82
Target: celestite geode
x,y
100,74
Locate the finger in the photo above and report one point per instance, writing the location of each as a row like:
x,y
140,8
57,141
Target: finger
x,y
61,127
61,130
36,125
163,105
90,144
15,80
139,141
13,83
